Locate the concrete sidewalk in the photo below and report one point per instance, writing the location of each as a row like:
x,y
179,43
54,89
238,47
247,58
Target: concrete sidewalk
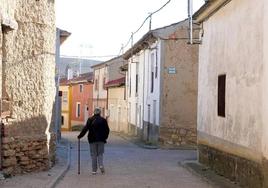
x,y
46,179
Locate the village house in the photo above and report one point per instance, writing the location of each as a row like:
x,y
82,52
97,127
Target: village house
x,y
77,101
232,105
27,55
61,36
117,104
103,73
162,86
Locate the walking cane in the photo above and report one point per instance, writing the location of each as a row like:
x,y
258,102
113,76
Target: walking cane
x,y
78,156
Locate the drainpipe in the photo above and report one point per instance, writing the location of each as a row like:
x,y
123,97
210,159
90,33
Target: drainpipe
x,y
190,18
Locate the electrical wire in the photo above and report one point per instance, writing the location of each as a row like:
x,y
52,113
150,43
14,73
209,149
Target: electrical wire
x,y
133,33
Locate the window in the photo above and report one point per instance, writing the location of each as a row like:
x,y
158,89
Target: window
x,y
137,79
137,83
78,109
65,96
103,84
152,82
129,83
81,88
221,95
62,120
96,84
156,65
152,72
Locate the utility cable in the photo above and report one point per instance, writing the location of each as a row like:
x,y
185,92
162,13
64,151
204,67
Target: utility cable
x,y
149,16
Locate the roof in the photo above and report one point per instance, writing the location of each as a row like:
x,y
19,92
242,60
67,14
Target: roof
x,y
63,35
152,36
117,82
83,78
102,64
208,9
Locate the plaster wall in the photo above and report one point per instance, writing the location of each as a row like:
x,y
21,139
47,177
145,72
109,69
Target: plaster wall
x,y
100,92
117,110
232,45
151,97
179,90
131,91
65,106
265,82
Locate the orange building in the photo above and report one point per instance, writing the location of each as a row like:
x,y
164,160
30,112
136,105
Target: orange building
x,y
77,102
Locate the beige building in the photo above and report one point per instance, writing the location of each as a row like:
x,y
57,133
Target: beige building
x,y
27,55
117,105
232,90
65,105
103,73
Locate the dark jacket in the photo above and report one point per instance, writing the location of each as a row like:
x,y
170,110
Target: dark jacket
x,y
98,129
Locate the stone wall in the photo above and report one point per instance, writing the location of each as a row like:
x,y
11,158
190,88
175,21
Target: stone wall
x,y
245,172
177,137
28,84
26,154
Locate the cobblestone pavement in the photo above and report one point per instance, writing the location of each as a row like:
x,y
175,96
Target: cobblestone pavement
x,y
128,165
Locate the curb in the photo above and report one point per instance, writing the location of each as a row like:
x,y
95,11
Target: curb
x,y
137,142
207,175
64,171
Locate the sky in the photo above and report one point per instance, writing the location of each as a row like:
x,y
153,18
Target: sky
x,y
100,27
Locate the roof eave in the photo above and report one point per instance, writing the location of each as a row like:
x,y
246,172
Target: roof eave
x,y
140,45
208,9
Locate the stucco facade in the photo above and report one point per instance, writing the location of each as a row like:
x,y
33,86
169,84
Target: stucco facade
x,y
27,55
103,73
76,100
117,106
162,87
84,98
65,107
234,44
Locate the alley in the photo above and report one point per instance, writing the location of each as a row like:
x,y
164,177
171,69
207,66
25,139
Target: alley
x,y
128,165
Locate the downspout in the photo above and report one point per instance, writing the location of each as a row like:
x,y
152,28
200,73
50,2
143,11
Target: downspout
x,y
190,18
144,58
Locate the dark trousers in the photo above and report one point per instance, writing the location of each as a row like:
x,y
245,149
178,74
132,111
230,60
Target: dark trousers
x,y
96,152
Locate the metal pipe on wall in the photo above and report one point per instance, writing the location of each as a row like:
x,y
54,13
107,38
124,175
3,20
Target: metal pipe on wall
x,y
190,18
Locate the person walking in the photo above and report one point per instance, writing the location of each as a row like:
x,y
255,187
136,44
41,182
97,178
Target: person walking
x,y
98,132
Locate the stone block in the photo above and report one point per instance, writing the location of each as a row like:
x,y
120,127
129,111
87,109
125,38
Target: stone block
x,y
183,132
8,162
7,153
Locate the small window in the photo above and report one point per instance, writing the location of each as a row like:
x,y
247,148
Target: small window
x,y
221,95
78,110
81,88
62,120
96,84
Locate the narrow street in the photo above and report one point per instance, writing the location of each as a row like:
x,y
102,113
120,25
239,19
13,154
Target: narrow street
x,y
128,165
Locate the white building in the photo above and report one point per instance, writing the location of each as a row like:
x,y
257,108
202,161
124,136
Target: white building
x,y
162,86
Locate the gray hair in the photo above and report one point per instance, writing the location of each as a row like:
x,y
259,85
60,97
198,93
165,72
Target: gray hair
x,y
97,111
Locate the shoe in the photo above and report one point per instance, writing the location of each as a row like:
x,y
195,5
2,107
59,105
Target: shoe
x,y
102,169
94,173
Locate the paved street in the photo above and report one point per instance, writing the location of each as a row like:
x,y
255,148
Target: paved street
x,y
128,165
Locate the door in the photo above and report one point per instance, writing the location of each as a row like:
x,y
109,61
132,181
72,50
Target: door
x,y
86,114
